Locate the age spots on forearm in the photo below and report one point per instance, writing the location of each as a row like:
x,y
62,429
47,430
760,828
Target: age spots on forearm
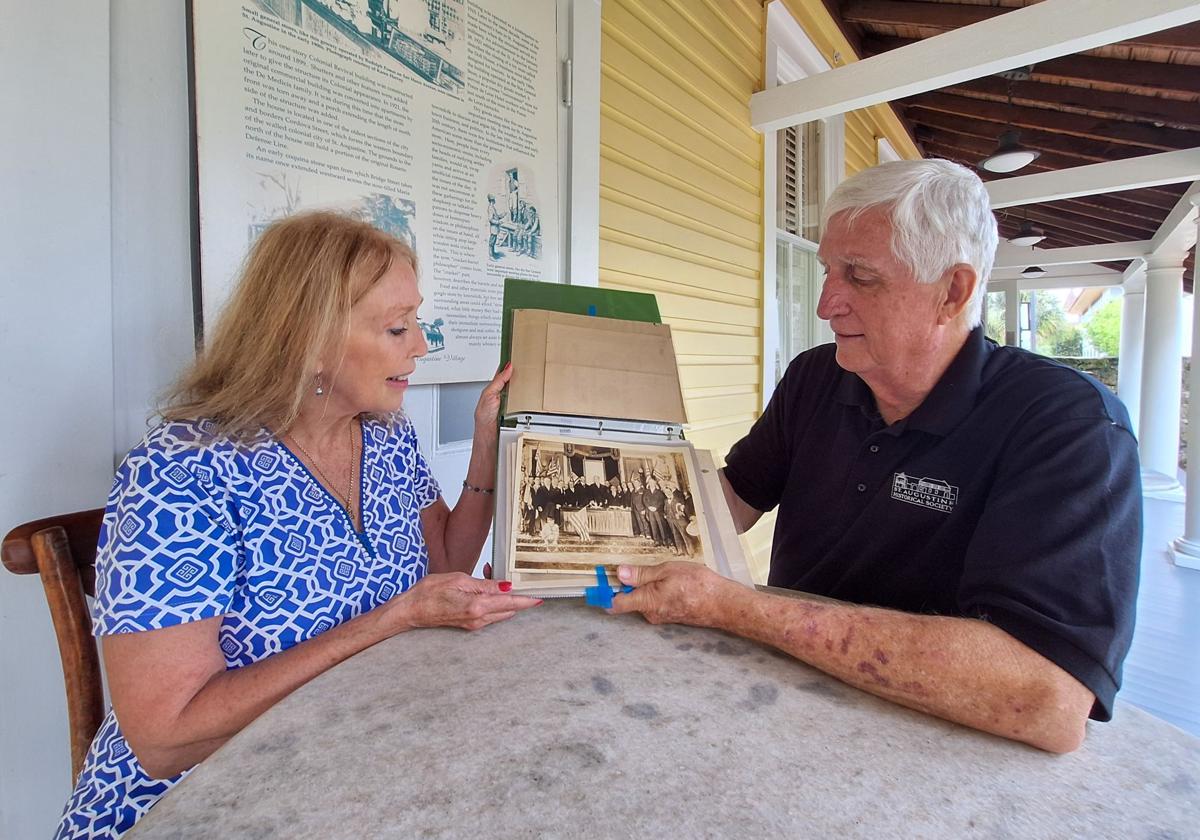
x,y
873,674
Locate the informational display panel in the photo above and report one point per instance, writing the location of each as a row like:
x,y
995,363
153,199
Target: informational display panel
x,y
435,120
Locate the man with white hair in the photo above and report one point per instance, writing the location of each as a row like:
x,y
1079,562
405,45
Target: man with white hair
x,y
974,509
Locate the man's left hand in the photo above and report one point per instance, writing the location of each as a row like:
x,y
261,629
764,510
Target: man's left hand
x,y
674,593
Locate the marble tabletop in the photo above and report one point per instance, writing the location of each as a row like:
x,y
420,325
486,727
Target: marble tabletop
x,y
566,721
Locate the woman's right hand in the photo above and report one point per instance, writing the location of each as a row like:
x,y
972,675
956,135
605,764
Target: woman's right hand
x,y
458,600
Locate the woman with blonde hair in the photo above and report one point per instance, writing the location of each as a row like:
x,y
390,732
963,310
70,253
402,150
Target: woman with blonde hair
x,y
280,518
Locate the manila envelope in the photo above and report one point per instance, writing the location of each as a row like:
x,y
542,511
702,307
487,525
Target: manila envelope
x,y
593,367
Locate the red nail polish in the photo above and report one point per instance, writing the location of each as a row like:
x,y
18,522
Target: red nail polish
x,y
505,585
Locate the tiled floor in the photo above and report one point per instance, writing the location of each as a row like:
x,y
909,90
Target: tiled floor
x,y
1162,671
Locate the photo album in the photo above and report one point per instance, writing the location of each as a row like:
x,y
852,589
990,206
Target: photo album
x,y
594,470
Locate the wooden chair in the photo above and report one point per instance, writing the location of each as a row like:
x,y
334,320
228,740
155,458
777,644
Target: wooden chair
x,y
62,550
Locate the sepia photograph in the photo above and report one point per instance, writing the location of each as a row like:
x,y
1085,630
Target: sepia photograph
x,y
577,505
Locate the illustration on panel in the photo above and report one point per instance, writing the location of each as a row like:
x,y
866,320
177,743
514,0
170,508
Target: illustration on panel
x,y
427,37
514,226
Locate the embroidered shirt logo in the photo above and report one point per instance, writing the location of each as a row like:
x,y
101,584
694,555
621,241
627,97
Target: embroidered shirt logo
x,y
932,493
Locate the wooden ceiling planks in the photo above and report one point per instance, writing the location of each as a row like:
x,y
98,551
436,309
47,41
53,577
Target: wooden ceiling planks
x,y
1150,78
942,17
1123,100
1059,123
1130,107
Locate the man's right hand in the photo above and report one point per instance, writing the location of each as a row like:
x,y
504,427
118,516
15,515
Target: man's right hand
x,y
675,593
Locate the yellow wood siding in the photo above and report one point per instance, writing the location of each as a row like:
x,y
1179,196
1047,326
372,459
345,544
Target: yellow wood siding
x,y
681,190
681,173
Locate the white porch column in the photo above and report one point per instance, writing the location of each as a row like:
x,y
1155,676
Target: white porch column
x,y
1162,372
1012,298
1186,549
1129,364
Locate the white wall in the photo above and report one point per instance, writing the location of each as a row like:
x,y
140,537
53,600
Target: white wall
x,y
153,336
56,428
95,312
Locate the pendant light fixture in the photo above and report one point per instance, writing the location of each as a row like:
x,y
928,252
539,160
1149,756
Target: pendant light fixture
x,y
1010,155
1028,234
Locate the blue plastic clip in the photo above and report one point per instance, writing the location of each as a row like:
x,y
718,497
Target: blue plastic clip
x,y
601,594
592,309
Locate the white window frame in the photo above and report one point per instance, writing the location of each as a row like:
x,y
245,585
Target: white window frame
x,y
783,237
790,55
579,141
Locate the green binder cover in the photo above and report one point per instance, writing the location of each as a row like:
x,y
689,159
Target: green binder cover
x,y
577,300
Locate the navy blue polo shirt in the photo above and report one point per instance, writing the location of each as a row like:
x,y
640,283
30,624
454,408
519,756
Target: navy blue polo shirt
x,y
1011,494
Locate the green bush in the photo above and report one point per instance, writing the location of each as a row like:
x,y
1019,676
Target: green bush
x,y
1104,328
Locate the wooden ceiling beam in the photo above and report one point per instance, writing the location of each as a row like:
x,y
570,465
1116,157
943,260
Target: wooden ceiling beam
x,y
1092,280
1012,256
1180,224
1062,276
1181,80
946,16
1155,202
1089,276
1056,122
1149,77
1129,107
1029,35
1114,176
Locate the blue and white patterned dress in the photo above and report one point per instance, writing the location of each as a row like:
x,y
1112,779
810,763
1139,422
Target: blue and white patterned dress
x,y
199,526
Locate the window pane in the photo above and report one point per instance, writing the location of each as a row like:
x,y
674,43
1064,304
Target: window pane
x,y
798,276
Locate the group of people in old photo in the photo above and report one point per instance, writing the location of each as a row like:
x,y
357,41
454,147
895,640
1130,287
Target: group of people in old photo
x,y
554,509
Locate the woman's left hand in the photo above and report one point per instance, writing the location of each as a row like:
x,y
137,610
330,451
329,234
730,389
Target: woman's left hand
x,y
487,412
